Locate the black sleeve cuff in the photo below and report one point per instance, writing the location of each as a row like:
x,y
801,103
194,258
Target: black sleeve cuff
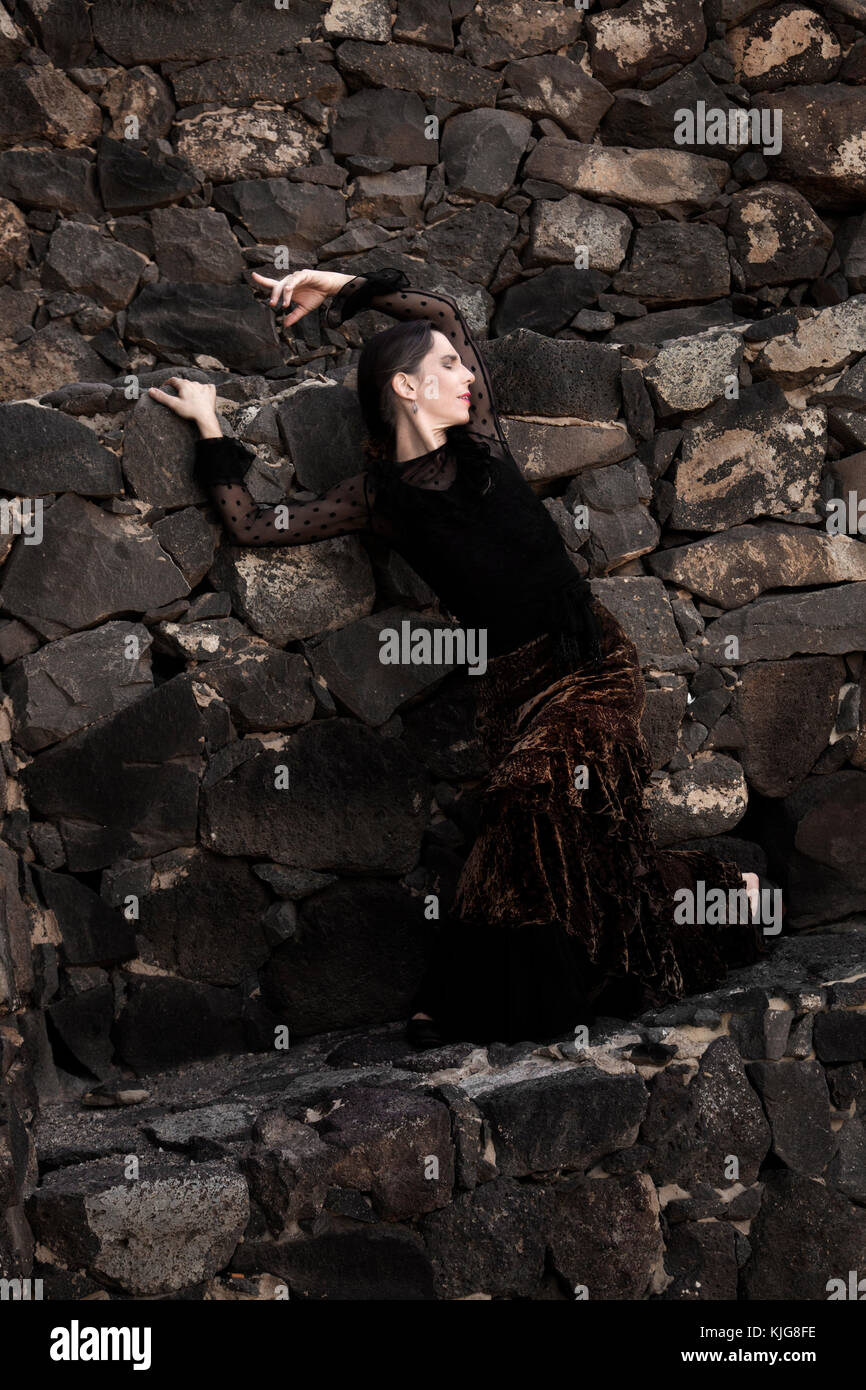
x,y
221,461
357,293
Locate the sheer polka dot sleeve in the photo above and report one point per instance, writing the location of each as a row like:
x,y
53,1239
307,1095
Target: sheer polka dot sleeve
x,y
221,465
389,291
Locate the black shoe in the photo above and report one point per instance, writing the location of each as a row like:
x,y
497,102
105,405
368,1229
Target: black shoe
x,y
423,1034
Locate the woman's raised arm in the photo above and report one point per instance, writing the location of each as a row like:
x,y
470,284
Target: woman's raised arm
x,y
388,290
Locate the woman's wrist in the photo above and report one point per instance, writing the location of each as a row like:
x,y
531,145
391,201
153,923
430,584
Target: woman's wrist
x,y
209,426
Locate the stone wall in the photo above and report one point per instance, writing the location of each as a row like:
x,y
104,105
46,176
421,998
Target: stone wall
x,y
713,1151
672,308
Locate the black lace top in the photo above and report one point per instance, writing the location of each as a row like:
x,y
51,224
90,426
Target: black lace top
x,y
463,515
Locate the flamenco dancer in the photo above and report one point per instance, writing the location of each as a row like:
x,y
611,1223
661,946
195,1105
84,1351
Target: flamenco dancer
x,y
564,908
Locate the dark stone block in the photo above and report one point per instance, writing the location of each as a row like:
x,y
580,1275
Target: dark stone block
x,y
695,1127
375,1262
847,1171
673,262
386,1139
322,431
223,321
92,932
637,406
604,1234
184,932
264,688
804,1236
62,28
165,1022
60,180
568,1120
797,1104
89,566
348,661
548,301
126,786
847,1083
44,451
674,323
83,1023
278,211
73,682
647,120
357,959
130,181
355,802
489,1241
536,375
840,1036
701,1257
169,31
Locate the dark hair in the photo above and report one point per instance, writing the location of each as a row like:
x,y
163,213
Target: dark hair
x,y
403,349
398,349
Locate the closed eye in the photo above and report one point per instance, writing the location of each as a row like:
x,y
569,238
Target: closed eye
x,y
449,360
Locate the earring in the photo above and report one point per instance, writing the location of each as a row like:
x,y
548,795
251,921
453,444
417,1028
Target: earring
x,y
414,407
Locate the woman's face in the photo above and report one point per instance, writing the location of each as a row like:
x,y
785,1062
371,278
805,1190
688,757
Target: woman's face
x,y
443,383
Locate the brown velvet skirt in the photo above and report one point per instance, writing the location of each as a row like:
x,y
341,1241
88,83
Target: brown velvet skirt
x,y
565,907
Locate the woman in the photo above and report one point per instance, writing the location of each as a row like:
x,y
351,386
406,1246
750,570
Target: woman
x,y
564,907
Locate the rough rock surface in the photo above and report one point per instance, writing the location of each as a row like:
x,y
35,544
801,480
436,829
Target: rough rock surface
x,y
345,1167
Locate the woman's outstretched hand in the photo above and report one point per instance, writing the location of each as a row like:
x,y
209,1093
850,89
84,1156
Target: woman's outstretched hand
x,y
307,288
195,400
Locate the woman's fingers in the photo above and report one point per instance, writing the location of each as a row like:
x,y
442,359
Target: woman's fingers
x,y
178,404
193,397
283,293
281,290
274,285
176,381
287,289
174,403
297,313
